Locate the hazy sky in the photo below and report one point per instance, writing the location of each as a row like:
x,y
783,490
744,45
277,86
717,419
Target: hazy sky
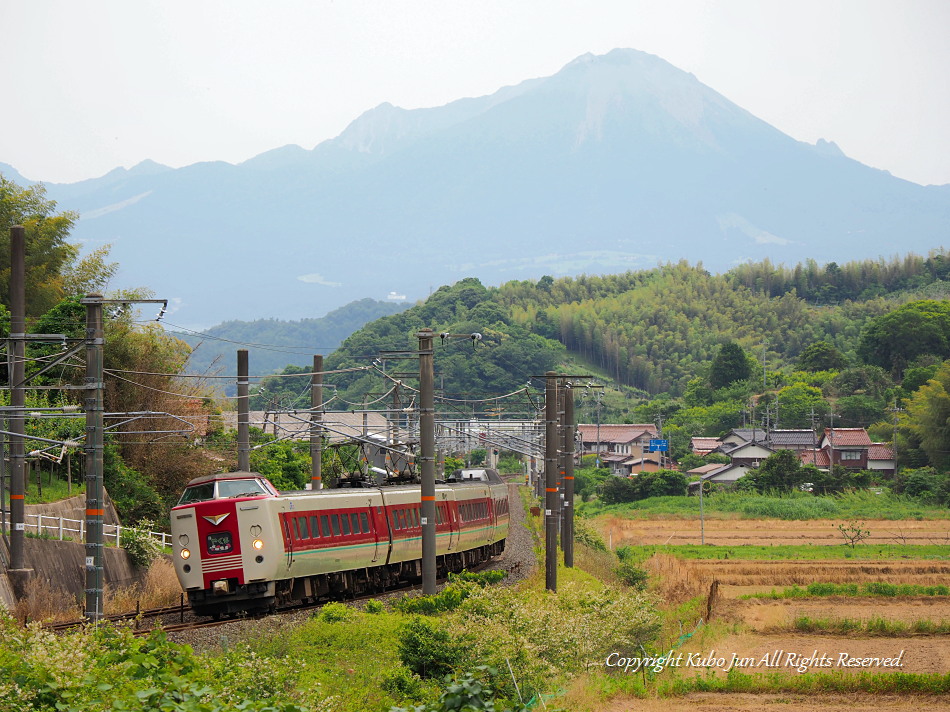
x,y
89,86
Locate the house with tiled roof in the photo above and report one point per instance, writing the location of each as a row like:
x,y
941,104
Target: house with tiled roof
x,y
615,439
851,448
818,458
750,454
794,440
704,469
881,458
721,474
847,447
703,446
635,464
738,436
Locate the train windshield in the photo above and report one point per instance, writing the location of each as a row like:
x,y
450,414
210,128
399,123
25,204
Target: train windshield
x,y
197,493
226,489
240,488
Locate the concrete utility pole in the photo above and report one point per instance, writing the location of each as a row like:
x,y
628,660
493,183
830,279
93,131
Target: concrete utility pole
x,y
316,415
427,458
95,506
550,481
567,524
244,431
16,353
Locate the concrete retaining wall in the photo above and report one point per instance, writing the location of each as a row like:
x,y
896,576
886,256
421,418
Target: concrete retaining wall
x,y
63,563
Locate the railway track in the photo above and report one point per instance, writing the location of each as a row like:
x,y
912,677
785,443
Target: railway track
x,y
182,611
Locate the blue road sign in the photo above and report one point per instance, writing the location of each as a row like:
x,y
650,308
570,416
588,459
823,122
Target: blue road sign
x,y
659,445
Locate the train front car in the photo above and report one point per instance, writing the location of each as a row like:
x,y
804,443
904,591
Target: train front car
x,y
226,545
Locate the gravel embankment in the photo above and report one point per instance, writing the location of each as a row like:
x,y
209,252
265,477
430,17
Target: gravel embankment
x,y
518,560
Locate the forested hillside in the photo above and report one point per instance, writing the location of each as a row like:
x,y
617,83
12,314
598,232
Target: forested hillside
x,y
504,359
656,330
272,344
704,352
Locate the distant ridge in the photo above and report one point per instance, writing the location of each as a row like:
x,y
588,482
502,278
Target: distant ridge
x,y
617,162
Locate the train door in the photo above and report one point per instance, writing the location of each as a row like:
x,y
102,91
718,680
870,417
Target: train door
x,y
375,528
288,540
446,512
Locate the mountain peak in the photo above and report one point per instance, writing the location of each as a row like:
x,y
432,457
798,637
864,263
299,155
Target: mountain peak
x,y
829,148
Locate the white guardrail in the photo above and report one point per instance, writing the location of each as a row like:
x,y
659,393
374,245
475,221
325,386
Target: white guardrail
x,y
60,528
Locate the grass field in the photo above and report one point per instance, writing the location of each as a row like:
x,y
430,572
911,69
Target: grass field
x,y
792,506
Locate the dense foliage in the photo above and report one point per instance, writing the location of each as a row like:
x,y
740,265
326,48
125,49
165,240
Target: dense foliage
x,y
616,490
505,357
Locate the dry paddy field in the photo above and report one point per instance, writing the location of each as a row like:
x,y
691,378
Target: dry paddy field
x,y
763,532
764,638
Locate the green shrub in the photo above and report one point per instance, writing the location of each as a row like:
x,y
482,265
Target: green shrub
x,y
448,599
142,547
403,684
336,613
427,648
373,606
473,691
482,578
585,534
632,575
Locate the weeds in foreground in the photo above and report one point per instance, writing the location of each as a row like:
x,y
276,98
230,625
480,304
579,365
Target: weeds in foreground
x,y
159,588
45,604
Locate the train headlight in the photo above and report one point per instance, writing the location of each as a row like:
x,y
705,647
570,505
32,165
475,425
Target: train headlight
x,y
184,553
183,539
258,544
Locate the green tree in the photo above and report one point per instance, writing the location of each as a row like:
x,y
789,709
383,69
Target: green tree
x,y
797,402
89,274
860,411
821,356
871,381
730,365
617,490
780,471
928,417
47,252
893,340
916,376
286,464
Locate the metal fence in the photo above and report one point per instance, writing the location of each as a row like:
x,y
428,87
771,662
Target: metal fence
x,y
75,529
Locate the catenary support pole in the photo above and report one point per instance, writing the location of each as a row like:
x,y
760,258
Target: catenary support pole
x,y
427,446
17,394
316,416
567,533
550,481
95,505
243,423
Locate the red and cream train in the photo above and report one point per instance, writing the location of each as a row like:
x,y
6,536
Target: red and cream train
x,y
240,545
